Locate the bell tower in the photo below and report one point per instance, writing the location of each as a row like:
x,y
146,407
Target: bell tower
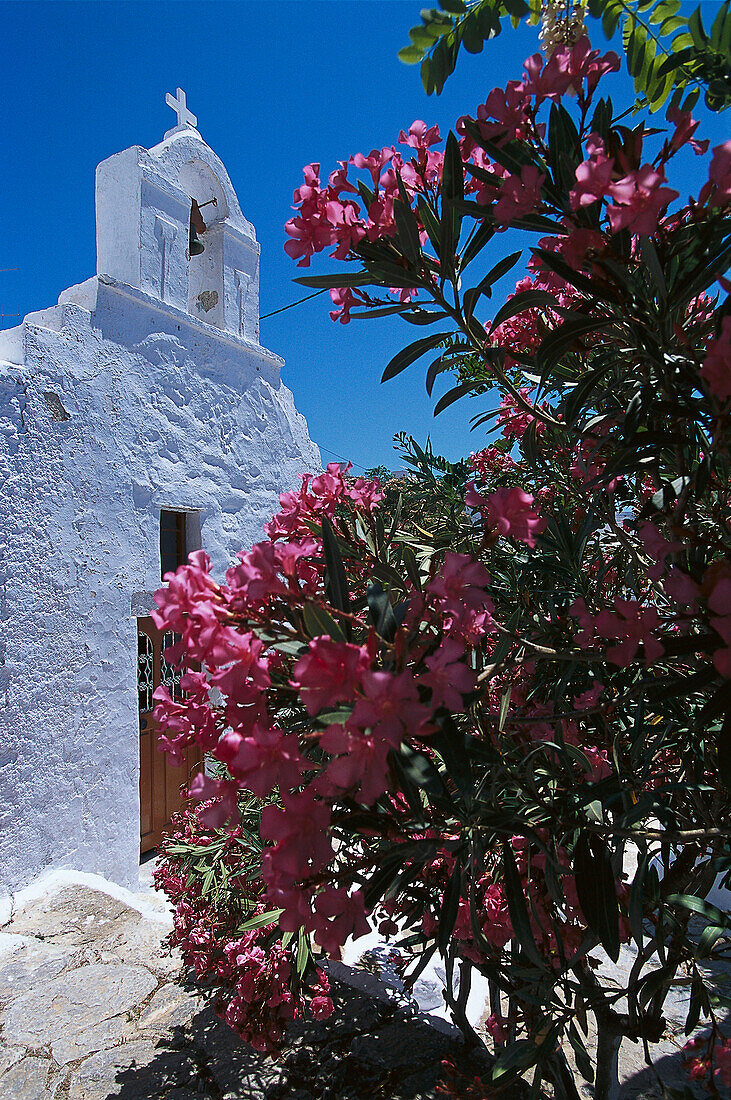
x,y
169,224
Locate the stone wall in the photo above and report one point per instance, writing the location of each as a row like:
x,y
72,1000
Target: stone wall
x,y
112,406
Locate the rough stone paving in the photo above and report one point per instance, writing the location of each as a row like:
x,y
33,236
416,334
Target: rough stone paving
x,y
92,1007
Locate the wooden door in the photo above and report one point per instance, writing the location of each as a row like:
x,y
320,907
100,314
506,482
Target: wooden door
x,y
160,779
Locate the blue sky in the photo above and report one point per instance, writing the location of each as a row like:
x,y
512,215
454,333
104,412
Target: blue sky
x,y
275,85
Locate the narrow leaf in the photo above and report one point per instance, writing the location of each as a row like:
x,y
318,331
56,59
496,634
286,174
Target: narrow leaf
x,y
597,891
411,353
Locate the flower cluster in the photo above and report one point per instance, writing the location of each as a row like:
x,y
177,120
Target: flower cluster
x,y
457,714
252,971
708,1061
382,707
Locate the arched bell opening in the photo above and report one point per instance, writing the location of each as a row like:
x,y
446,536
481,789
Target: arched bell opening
x,y
208,212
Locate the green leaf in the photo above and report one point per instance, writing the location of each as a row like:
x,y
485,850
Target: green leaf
x,y
704,908
420,770
411,55
454,395
411,353
561,339
554,262
504,705
583,1061
517,907
450,908
695,26
577,399
337,717
520,1055
336,583
381,612
452,195
597,891
501,268
303,952
407,229
636,900
527,299
484,233
453,747
709,938
723,746
318,622
261,920
664,10
439,366
412,569
430,222
518,8
610,18
329,282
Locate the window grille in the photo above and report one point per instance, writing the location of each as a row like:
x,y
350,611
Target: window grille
x,y
145,672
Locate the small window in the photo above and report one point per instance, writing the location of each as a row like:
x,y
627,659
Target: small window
x,y
173,550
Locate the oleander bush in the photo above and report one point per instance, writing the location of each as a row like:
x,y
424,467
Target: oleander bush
x,y
490,715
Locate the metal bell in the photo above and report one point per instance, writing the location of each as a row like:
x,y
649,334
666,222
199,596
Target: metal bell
x,y
196,225
195,244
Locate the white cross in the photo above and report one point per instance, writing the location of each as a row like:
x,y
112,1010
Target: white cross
x,y
186,118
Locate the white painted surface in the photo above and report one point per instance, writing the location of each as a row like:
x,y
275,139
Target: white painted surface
x,y
122,400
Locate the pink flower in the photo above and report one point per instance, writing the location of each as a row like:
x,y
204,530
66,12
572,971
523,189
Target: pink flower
x,y
344,299
289,554
566,70
189,587
338,180
656,547
495,1026
365,494
300,829
513,417
309,235
420,136
390,706
321,1008
491,460
579,610
497,926
449,677
461,581
719,174
519,195
640,200
503,114
593,177
329,673
361,766
374,162
719,601
632,625
716,369
589,698
681,588
685,127
509,512
267,759
223,795
340,917
255,578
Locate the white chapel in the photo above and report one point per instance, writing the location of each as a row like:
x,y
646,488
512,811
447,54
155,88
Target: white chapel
x,y
140,419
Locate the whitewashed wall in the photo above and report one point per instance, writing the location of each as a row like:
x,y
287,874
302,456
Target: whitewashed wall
x,y
113,405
